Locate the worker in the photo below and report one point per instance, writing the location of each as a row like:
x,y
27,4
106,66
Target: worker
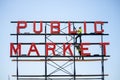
x,y
79,32
78,48
79,51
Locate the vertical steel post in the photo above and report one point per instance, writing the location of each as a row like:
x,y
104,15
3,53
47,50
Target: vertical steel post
x,y
102,62
74,56
45,55
17,60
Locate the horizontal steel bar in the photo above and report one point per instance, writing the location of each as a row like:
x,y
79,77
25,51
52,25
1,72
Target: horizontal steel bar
x,y
62,21
40,60
54,43
60,34
58,78
85,75
62,56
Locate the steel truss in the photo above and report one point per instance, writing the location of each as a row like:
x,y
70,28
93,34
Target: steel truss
x,y
54,61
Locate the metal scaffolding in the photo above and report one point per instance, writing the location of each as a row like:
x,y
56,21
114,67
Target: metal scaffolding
x,y
54,61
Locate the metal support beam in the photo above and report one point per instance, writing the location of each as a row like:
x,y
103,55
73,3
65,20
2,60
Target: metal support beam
x,y
61,21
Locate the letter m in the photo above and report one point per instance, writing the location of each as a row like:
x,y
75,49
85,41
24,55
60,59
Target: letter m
x,y
17,50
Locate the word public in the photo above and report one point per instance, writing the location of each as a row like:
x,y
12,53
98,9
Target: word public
x,y
55,29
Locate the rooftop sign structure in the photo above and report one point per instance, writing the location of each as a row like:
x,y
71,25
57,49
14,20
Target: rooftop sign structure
x,y
58,41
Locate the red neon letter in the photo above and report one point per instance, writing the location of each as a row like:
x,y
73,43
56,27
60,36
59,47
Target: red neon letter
x,y
104,47
17,50
83,48
33,48
50,48
85,27
65,48
95,27
20,25
55,25
69,29
34,27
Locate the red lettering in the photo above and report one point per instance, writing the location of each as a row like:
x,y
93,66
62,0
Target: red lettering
x,y
85,31
104,47
50,48
33,48
34,28
20,25
95,27
16,50
69,29
65,48
83,48
55,25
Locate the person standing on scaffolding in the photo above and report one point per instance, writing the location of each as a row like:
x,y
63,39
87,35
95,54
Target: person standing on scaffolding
x,y
79,32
